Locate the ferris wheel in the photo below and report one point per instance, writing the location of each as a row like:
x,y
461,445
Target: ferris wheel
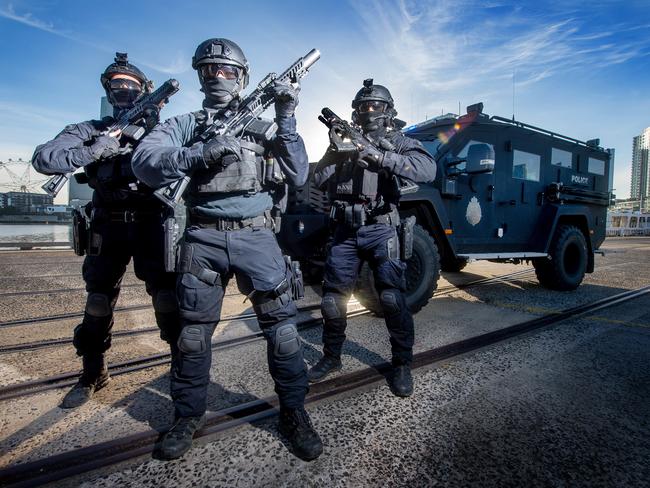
x,y
20,175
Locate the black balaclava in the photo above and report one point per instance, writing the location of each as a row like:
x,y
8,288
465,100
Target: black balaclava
x,y
219,92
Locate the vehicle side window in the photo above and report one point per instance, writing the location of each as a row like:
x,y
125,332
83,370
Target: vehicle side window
x,y
596,166
525,165
462,154
561,158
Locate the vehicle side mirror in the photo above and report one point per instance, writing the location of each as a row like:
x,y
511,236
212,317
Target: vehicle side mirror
x,y
480,159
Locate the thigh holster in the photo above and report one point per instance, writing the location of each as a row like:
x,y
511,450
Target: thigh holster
x,y
187,265
265,302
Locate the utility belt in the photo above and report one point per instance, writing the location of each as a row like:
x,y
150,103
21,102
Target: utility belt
x,y
355,215
264,221
87,242
124,216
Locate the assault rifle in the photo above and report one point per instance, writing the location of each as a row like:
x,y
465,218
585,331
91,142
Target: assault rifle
x,y
235,122
124,123
347,139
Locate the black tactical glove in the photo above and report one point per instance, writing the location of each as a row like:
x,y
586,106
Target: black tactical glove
x,y
222,150
151,116
286,98
105,147
370,157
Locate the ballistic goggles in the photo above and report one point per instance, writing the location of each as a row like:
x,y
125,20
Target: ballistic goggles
x,y
218,70
372,106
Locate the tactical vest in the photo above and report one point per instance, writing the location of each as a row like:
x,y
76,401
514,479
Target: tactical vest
x,y
352,183
247,176
113,179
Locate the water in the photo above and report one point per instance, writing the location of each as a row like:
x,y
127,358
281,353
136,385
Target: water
x,y
35,233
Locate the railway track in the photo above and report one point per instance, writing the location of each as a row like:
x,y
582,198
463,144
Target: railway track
x,y
25,388
57,342
83,460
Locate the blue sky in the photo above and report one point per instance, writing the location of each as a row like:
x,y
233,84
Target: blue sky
x,y
580,68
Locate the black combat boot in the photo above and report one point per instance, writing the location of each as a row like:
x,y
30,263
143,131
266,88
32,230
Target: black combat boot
x,y
93,378
401,381
296,426
178,439
324,366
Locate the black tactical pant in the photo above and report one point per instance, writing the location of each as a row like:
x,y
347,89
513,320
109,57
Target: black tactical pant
x,y
378,245
143,241
254,257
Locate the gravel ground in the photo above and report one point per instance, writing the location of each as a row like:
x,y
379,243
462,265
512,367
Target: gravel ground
x,y
564,407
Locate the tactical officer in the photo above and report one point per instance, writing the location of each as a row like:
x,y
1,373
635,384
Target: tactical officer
x,y
364,191
230,231
125,222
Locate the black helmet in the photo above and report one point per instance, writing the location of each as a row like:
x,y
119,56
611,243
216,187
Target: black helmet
x,y
377,96
222,51
123,96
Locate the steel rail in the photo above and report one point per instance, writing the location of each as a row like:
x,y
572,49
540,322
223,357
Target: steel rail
x,y
83,460
56,342
25,388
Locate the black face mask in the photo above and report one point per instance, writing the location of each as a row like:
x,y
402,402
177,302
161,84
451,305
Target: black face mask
x,y
219,92
372,121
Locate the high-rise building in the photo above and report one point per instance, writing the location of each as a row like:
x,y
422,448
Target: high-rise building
x,y
640,188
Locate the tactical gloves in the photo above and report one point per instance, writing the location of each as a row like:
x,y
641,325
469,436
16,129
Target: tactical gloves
x,y
105,147
151,116
370,157
286,98
221,150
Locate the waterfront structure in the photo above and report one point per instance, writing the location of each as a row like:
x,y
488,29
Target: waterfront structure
x,y
640,187
25,202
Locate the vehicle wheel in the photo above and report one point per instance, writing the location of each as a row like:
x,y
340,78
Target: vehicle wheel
x,y
566,268
453,265
422,273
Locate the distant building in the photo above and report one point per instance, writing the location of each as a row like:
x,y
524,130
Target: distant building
x,y
3,200
640,187
25,202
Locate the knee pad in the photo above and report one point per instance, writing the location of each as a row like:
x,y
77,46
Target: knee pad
x,y
164,301
329,308
98,305
286,341
389,301
192,340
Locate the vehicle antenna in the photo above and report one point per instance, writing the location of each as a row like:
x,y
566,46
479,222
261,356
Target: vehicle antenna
x,y
513,94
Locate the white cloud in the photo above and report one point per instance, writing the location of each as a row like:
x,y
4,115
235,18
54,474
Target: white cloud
x,y
444,46
178,65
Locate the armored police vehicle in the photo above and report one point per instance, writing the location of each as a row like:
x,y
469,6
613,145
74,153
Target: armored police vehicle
x,y
504,191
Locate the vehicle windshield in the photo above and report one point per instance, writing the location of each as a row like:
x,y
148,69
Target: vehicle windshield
x,y
436,142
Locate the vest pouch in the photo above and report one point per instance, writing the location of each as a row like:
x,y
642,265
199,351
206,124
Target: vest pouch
x,y
237,177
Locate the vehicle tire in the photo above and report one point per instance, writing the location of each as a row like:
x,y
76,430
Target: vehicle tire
x,y
453,265
422,273
568,264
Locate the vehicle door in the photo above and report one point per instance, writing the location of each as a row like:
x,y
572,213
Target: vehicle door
x,y
470,197
519,192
